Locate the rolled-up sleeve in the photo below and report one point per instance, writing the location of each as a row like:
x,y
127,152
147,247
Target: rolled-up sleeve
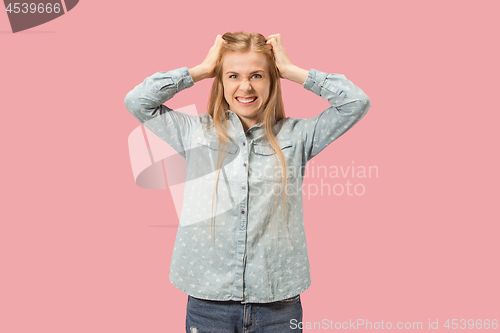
x,y
348,105
145,103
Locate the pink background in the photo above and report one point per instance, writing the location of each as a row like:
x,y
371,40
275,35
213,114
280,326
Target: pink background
x,y
84,249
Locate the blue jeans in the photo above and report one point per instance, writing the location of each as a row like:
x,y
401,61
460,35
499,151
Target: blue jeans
x,y
205,316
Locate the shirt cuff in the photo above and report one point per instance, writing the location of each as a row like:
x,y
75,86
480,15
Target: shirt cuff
x,y
186,80
314,81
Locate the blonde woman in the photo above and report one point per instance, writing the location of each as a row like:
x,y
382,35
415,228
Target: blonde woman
x,y
240,252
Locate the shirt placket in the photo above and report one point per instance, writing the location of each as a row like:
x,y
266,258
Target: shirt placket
x,y
242,211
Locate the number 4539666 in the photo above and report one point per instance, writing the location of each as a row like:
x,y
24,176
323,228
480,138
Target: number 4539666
x,y
33,8
471,324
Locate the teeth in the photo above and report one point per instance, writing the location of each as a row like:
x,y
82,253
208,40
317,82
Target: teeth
x,y
246,101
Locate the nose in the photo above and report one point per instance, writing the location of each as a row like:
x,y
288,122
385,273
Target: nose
x,y
245,85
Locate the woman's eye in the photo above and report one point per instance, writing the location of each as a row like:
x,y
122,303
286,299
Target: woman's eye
x,y
256,76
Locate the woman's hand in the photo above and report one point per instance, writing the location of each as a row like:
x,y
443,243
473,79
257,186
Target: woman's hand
x,y
207,68
212,57
280,55
286,69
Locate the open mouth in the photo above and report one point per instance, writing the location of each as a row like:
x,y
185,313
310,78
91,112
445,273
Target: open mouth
x,y
246,100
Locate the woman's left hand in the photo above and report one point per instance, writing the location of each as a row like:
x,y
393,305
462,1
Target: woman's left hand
x,y
282,61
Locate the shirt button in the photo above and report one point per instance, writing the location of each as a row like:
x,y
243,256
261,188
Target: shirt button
x,y
244,164
244,143
243,187
242,212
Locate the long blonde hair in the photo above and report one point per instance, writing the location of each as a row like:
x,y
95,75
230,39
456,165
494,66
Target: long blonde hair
x,y
273,110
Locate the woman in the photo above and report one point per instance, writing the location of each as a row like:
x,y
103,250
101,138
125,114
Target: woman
x,y
240,251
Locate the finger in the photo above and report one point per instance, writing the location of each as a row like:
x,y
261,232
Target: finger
x,y
217,40
275,36
274,43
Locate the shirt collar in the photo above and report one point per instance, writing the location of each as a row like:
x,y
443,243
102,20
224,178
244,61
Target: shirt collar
x,y
257,130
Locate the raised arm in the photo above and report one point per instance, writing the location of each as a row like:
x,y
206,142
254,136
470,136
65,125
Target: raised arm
x,y
348,103
285,67
207,67
145,101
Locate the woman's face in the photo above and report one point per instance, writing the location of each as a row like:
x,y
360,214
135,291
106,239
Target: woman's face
x,y
246,83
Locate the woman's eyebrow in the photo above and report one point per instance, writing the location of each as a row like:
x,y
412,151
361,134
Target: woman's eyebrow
x,y
257,71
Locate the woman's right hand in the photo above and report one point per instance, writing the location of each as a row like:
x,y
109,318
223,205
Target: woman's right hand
x,y
207,68
212,57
